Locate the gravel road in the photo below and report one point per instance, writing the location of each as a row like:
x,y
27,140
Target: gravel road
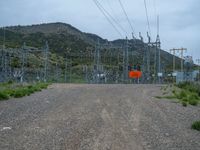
x,y
97,117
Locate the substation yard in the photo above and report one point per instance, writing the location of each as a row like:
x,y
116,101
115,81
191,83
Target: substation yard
x,y
97,117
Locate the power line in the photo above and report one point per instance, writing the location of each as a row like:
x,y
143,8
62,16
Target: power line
x,y
147,17
108,19
116,19
155,8
129,22
113,19
156,16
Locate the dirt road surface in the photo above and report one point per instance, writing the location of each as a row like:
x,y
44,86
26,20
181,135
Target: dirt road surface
x,y
97,117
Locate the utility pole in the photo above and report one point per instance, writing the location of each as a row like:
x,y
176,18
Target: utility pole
x,y
181,50
173,51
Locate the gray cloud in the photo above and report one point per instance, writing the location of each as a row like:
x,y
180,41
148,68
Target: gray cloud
x,y
179,19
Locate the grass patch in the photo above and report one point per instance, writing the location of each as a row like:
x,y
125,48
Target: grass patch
x,y
169,97
184,104
196,125
20,90
193,102
3,96
190,86
174,91
181,95
164,93
186,93
188,97
189,93
158,97
166,97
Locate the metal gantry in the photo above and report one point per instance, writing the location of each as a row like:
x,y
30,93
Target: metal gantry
x,y
181,50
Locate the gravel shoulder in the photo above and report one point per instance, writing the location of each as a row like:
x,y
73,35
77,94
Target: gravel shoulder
x,y
97,117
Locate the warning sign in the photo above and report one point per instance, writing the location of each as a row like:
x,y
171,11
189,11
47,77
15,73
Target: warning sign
x,y
135,74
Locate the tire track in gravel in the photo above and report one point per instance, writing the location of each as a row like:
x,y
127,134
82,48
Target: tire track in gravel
x,y
119,122
97,117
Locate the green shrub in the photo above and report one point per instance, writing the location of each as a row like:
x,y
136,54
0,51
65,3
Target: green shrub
x,y
43,85
181,95
36,88
19,93
3,95
193,102
185,99
170,97
190,86
9,91
173,91
184,103
20,90
29,86
196,125
194,96
10,82
31,90
158,97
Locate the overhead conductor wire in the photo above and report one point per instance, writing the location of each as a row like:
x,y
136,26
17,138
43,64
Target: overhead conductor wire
x,y
129,22
147,17
107,15
116,19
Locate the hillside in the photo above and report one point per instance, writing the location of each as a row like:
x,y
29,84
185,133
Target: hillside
x,y
64,38
59,35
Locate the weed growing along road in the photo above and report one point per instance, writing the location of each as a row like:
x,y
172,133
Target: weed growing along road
x,y
186,93
16,90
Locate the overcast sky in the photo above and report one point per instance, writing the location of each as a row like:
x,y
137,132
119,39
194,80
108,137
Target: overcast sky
x,y
179,19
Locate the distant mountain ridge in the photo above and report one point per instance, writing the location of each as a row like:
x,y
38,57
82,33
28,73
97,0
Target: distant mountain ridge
x,y
55,28
62,37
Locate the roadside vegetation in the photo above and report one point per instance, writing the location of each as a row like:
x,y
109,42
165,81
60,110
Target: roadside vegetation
x,y
196,125
187,93
16,90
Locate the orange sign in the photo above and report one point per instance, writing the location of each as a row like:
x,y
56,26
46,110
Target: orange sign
x,y
135,74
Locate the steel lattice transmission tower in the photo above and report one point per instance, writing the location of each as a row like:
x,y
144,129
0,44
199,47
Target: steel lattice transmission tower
x,y
125,61
46,51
